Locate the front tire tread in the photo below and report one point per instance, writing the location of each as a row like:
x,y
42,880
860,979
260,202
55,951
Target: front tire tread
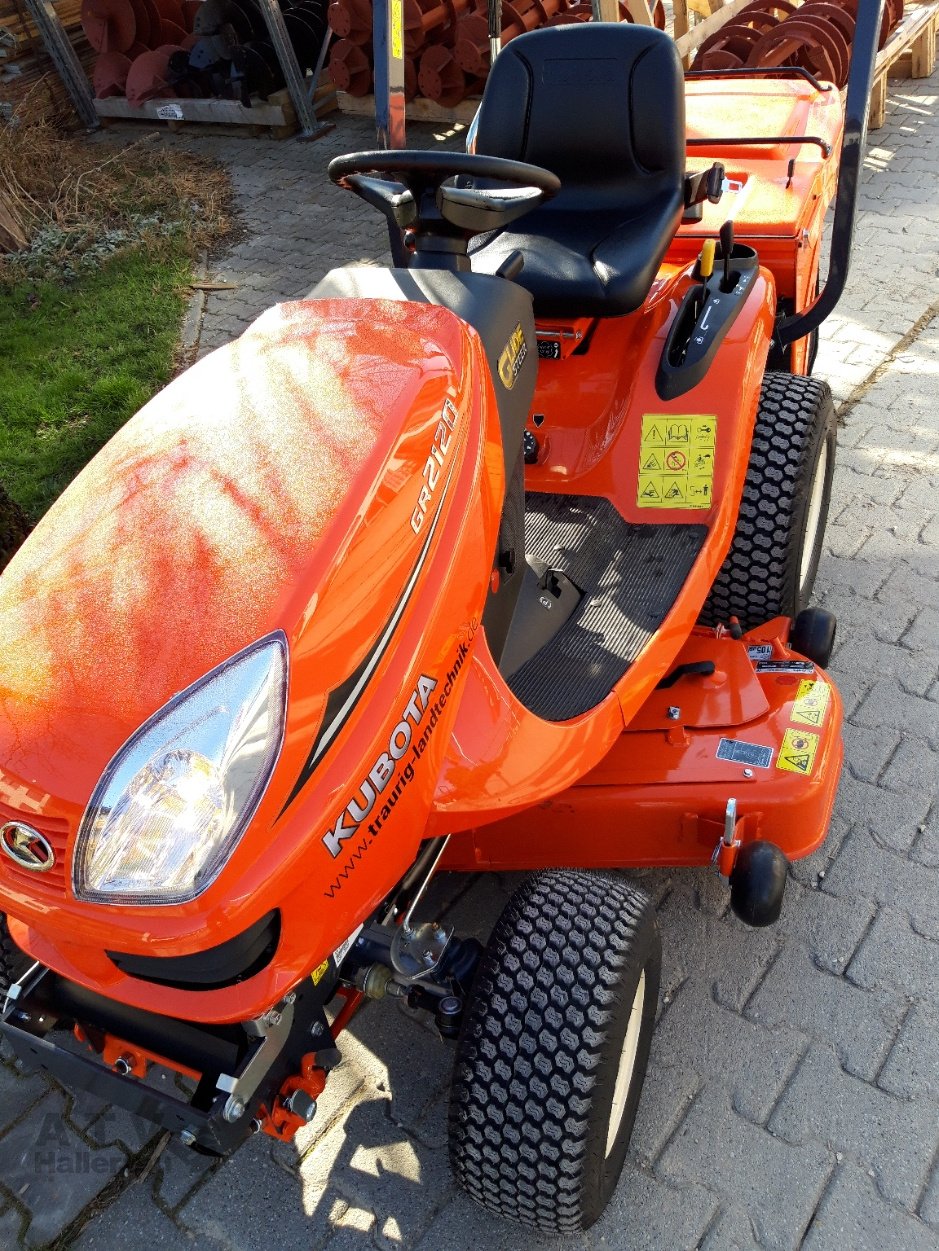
x,y
523,1116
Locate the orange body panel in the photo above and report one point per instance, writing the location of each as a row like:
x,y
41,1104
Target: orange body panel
x,y
591,407
254,545
658,797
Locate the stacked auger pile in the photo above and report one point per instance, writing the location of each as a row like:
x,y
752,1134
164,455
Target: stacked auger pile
x,y
816,36
446,42
151,49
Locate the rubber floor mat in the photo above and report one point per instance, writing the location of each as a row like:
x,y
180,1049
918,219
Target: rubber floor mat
x,y
630,576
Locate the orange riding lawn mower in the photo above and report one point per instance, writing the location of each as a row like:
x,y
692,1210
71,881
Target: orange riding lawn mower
x,y
496,559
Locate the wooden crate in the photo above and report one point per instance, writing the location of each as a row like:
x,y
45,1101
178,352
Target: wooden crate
x,y
276,115
417,110
910,52
713,14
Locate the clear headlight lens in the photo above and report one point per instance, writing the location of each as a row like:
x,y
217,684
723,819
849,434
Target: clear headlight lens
x,y
172,804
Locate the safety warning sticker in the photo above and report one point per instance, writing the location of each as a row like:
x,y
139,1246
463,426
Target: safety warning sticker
x,y
797,752
343,949
810,704
676,461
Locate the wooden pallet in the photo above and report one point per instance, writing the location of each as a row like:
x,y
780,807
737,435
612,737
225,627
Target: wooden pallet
x,y
417,110
910,52
713,14
275,116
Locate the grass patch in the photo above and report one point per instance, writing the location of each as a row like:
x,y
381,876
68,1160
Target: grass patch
x,y
77,359
90,309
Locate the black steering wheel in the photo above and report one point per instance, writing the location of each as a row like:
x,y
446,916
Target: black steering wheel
x,y
416,176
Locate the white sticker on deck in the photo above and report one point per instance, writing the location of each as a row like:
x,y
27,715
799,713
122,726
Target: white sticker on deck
x,y
785,666
745,753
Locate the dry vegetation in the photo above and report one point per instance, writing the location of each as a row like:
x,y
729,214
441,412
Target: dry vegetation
x,y
79,202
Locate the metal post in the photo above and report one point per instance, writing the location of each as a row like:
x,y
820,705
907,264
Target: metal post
x,y
320,62
495,30
65,60
388,42
310,128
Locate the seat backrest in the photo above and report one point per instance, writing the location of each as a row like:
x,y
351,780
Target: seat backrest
x,y
602,105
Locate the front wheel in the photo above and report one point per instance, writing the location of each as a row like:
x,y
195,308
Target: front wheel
x,y
773,559
554,1049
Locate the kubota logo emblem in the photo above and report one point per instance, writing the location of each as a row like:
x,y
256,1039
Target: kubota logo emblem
x,y
27,847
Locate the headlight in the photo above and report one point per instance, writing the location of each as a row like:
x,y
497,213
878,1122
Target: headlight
x,y
172,804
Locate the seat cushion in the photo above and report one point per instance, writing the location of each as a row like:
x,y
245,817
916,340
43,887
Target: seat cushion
x,y
601,266
602,106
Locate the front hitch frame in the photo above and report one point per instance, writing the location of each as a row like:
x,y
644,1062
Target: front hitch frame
x,y
243,1071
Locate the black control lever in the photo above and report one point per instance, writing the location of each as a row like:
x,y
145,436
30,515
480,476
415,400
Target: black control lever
x,y
512,266
697,668
727,247
706,185
707,311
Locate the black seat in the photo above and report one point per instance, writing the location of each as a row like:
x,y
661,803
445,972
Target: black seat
x,y
603,107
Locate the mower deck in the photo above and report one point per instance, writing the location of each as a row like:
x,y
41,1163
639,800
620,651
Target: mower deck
x,y
744,717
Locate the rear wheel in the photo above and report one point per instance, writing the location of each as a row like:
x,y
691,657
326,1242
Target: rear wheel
x,y
554,1050
773,559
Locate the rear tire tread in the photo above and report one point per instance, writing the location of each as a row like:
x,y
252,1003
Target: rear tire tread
x,y
760,577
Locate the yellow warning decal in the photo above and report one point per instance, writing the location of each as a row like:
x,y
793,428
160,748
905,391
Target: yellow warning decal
x,y
512,357
318,973
811,702
676,461
397,29
797,753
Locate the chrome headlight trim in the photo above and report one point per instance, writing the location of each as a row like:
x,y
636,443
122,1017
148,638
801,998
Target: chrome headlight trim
x,y
200,765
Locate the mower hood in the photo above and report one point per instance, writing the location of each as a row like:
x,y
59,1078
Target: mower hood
x,y
243,499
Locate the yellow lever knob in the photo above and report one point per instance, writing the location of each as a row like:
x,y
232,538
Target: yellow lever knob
x,y
706,260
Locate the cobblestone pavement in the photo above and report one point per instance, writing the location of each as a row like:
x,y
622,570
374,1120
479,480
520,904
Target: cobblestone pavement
x,y
792,1098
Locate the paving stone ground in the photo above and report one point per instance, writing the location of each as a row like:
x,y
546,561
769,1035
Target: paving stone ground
x,y
792,1097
